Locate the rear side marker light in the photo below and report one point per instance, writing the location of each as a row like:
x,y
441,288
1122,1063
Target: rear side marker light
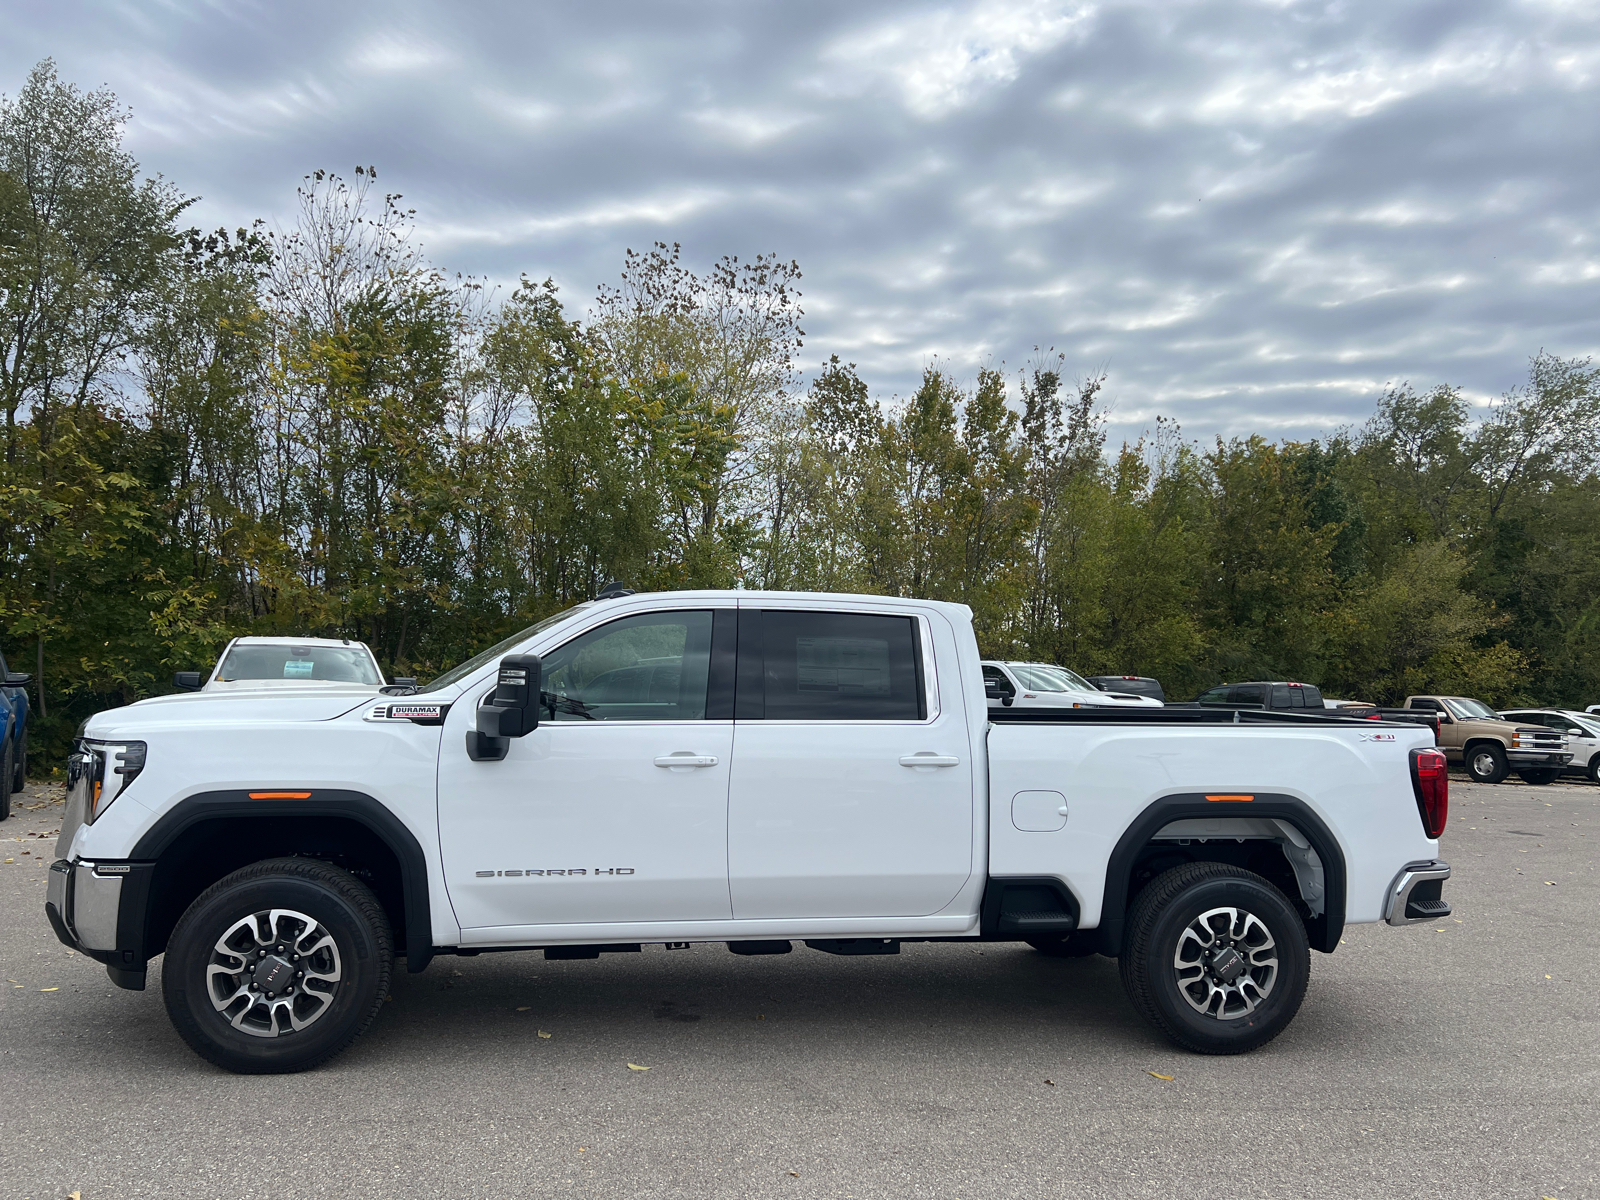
x,y
1231,799
1430,780
280,795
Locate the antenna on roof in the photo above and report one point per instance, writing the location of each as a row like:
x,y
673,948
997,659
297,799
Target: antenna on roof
x,y
614,590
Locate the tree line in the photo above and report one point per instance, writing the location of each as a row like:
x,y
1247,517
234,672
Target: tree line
x,y
315,430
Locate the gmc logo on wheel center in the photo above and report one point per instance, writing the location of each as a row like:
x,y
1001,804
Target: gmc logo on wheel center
x,y
569,872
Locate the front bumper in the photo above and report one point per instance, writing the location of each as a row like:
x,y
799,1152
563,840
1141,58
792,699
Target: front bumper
x,y
84,903
1414,896
1537,758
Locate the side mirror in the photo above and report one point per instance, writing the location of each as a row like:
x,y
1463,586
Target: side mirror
x,y
1445,718
1575,732
1008,701
187,681
513,710
17,679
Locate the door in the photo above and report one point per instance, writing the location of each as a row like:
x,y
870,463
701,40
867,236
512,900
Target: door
x,y
615,808
851,793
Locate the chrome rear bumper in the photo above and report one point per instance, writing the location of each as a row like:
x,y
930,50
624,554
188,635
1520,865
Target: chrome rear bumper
x,y
1414,896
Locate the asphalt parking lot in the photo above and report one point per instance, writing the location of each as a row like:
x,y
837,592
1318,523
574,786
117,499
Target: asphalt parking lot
x,y
1460,1058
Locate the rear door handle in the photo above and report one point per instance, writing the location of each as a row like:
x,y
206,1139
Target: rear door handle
x,y
685,758
926,758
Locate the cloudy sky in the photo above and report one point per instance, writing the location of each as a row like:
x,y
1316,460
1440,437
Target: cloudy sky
x,y
1253,215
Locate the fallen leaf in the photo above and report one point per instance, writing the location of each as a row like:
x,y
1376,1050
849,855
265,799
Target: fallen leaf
x,y
637,1067
11,860
1547,977
54,989
1158,1075
583,1149
543,1034
74,1196
1051,1082
796,1174
1549,883
524,1008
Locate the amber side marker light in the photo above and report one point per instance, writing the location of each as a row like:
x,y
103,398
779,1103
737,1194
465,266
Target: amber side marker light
x,y
280,795
1218,799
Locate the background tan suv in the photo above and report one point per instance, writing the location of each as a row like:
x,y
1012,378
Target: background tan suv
x,y
1474,736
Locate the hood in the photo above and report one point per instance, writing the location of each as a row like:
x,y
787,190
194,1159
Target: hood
x,y
278,685
188,709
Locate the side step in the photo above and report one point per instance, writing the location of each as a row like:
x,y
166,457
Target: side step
x,y
853,946
590,951
750,948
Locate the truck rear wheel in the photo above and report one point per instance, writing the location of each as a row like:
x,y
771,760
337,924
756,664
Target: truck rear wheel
x,y
21,779
1486,762
278,966
1216,958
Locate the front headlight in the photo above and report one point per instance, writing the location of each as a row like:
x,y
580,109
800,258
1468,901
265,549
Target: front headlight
x,y
111,768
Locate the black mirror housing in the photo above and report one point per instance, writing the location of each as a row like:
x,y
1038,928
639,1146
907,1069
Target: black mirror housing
x,y
513,710
187,681
18,679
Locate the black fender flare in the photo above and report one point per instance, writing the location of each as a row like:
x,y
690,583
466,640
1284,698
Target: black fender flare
x,y
322,802
1324,931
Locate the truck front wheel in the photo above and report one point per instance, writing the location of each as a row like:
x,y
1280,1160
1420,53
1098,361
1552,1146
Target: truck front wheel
x,y
1486,762
1216,958
278,966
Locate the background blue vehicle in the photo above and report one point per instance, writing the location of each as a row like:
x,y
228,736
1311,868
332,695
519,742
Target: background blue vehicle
x,y
14,747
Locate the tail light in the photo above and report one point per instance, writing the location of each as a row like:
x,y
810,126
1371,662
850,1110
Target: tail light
x,y
1430,779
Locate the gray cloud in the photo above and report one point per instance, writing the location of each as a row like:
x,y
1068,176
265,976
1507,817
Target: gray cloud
x,y
1254,215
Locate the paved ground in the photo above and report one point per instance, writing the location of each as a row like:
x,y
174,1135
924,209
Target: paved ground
x,y
1458,1059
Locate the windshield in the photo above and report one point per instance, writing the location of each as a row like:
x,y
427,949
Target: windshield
x,y
335,664
1468,710
456,674
1037,677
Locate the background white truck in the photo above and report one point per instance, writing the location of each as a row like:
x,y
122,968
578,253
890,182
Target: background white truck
x,y
748,768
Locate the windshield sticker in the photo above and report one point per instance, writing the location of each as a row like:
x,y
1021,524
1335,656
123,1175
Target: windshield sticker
x,y
298,668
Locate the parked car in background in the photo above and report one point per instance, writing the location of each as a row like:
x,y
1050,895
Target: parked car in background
x,y
254,663
1137,685
13,734
1582,730
1045,685
1474,736
1275,695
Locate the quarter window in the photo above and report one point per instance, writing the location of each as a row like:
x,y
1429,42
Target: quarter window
x,y
649,667
841,667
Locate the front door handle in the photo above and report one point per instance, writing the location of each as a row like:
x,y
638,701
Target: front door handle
x,y
926,758
680,759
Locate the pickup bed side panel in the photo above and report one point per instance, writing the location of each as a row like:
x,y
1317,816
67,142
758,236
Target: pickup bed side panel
x,y
1107,776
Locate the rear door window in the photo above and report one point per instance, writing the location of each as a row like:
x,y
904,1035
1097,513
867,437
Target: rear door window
x,y
1250,693
1284,696
1217,695
822,666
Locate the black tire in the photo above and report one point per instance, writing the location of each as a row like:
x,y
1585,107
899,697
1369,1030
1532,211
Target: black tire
x,y
345,912
20,781
1159,930
1486,762
1539,776
7,767
1064,945
1594,769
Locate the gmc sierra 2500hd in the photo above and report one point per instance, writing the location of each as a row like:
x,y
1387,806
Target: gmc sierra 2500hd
x,y
740,767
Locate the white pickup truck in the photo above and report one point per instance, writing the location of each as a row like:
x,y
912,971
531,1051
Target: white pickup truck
x,y
740,767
